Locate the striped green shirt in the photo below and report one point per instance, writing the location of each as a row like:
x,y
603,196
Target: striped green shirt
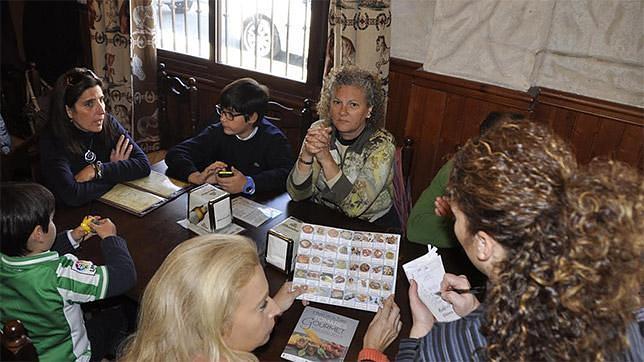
x,y
44,291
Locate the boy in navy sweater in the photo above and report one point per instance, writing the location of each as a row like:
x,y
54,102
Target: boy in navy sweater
x,y
255,152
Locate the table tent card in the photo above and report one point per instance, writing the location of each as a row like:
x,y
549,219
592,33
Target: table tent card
x,y
354,269
428,272
320,336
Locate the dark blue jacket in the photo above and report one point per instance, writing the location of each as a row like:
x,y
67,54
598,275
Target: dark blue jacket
x,y
59,166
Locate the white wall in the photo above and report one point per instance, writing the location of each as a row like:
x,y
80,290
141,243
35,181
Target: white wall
x,y
589,47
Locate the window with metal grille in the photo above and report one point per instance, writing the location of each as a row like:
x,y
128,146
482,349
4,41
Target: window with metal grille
x,y
267,36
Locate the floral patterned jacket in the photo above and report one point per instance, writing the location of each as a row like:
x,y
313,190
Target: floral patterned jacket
x,y
365,188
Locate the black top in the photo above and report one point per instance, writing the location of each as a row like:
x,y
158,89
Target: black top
x,y
59,166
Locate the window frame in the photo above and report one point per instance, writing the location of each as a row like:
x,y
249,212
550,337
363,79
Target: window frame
x,y
281,88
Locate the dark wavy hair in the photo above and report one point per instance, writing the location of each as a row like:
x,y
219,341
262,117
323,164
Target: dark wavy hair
x,y
568,285
353,76
24,206
68,88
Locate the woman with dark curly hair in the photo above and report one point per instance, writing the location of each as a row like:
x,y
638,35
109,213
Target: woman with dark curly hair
x,y
560,245
346,160
84,150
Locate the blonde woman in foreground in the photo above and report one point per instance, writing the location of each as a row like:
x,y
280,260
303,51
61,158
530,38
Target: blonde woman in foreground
x,y
207,302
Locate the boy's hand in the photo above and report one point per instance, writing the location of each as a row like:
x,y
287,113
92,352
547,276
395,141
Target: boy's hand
x,y
287,294
233,184
104,227
442,207
85,229
207,175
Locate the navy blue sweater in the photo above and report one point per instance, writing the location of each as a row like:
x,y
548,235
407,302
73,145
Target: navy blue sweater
x,y
266,157
120,266
59,166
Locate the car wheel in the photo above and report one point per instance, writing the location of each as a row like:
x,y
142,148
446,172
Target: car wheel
x,y
179,5
259,29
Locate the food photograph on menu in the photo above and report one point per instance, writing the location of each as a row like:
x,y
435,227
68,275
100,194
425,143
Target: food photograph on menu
x,y
354,269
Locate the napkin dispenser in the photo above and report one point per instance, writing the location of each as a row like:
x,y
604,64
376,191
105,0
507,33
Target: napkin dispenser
x,y
281,244
209,208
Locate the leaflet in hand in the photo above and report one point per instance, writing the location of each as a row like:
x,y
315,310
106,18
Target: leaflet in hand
x,y
428,272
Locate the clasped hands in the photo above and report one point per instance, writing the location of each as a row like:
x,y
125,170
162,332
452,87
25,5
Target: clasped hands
x,y
233,184
316,144
121,152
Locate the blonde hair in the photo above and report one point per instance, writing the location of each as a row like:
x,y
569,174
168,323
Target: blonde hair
x,y
188,305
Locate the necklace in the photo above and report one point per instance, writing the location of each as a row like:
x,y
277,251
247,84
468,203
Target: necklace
x,y
90,156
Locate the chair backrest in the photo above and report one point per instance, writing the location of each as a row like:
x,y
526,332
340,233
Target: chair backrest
x,y
308,115
287,119
178,108
402,181
16,344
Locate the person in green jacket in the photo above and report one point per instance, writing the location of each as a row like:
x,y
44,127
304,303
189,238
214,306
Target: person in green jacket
x,y
431,220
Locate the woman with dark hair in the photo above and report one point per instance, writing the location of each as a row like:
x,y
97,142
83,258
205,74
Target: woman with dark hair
x,y
84,150
561,247
346,160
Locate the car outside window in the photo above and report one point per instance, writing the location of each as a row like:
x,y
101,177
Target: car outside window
x,y
267,36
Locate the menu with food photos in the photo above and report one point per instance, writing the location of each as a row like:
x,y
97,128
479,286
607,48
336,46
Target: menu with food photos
x,y
354,269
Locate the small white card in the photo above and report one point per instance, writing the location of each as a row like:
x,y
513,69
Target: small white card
x,y
231,229
251,212
428,272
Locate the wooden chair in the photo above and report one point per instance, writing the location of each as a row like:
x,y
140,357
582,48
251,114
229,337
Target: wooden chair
x,y
16,344
308,115
178,108
402,181
287,119
23,162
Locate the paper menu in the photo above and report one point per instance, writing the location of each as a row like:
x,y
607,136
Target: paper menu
x,y
354,269
428,272
251,212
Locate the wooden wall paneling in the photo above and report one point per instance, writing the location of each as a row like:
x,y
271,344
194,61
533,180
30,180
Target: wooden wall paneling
x,y
397,105
610,135
450,131
584,136
631,147
560,120
424,122
571,120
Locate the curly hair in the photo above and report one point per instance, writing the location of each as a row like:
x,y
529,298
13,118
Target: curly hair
x,y
357,77
565,289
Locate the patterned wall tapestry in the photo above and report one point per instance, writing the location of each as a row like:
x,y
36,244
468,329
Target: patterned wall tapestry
x,y
109,25
360,34
126,61
144,71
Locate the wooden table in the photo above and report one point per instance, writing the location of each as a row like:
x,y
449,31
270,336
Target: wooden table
x,y
151,238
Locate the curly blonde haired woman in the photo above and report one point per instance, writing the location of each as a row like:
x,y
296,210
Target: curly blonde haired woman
x,y
207,302
346,159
